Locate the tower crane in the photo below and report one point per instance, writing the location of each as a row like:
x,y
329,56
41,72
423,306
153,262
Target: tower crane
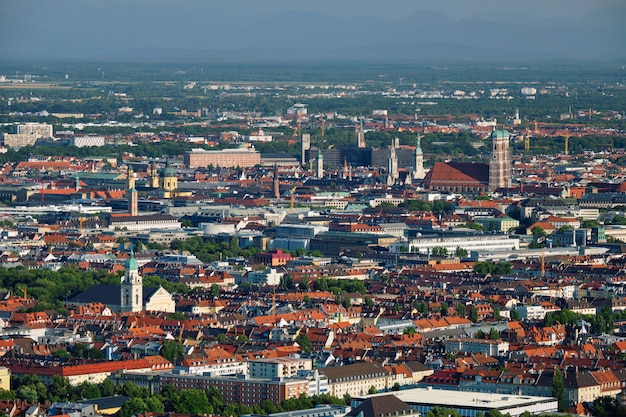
x,y
293,198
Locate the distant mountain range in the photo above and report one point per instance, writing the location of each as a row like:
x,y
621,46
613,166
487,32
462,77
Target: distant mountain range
x,y
287,35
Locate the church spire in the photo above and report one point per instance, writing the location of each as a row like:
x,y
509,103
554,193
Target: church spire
x,y
418,163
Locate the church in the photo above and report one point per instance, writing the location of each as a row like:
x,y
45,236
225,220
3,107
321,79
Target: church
x,y
457,177
130,296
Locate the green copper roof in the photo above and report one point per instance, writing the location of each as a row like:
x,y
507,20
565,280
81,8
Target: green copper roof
x,y
131,264
169,171
500,134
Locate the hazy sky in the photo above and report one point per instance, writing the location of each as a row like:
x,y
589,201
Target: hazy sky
x,y
93,28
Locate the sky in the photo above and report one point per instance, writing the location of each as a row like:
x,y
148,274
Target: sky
x,y
315,29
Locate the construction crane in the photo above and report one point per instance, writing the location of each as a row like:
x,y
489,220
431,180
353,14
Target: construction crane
x,y
527,140
81,220
293,198
180,334
528,147
299,125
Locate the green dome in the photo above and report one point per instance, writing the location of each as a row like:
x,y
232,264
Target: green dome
x,y
131,263
500,134
168,171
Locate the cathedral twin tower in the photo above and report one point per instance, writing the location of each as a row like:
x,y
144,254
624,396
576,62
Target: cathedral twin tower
x,y
500,162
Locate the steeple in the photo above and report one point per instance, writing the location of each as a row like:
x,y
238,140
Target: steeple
x,y
131,297
154,176
320,164
418,163
133,202
276,182
130,178
392,166
360,136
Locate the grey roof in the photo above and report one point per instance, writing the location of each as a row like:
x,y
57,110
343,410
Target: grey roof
x,y
580,380
354,371
105,294
417,366
385,405
107,402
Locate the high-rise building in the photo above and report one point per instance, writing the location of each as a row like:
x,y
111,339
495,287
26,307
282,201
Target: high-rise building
x,y
500,163
27,135
305,145
40,130
320,164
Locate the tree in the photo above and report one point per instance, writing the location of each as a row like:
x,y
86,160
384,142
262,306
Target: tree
x,y
59,389
304,283
460,252
558,388
27,393
444,309
442,412
369,302
107,388
409,330
193,401
7,395
171,350
538,232
89,391
286,282
215,291
303,341
439,251
372,390
134,406
61,354
493,334
460,310
515,314
473,314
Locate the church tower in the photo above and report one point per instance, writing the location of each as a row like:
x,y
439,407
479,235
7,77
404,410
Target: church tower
x,y
392,166
154,177
130,178
170,180
131,193
500,163
360,136
320,164
276,182
131,287
418,163
133,202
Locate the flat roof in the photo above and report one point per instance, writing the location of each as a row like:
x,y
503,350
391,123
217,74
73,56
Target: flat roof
x,y
462,399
